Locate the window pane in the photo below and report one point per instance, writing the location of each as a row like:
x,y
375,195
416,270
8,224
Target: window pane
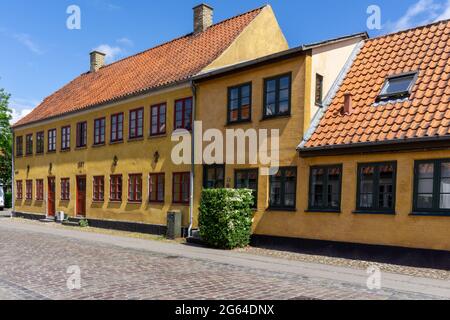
x,y
396,85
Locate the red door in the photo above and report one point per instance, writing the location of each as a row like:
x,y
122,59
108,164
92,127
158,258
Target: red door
x,y
81,196
51,197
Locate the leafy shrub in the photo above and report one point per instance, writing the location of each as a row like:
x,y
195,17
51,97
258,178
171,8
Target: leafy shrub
x,y
84,223
226,217
8,200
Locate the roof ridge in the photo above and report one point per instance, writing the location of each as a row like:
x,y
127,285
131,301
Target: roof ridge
x,y
409,29
178,38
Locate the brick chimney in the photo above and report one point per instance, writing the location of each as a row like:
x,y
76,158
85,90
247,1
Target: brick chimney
x,y
97,60
203,17
348,104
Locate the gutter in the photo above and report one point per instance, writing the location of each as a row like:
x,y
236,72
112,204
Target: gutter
x,y
192,175
13,182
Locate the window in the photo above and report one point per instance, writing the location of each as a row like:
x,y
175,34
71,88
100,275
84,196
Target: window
x,y
99,131
81,134
325,188
65,138
213,176
99,188
40,190
40,142
29,190
397,87
51,140
283,188
247,179
117,127
376,187
158,119
156,187
181,187
19,191
29,144
432,186
183,114
319,89
135,188
277,96
115,188
19,146
65,189
137,123
239,103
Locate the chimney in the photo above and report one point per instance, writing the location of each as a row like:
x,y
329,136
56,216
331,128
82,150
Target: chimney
x,y
97,60
348,104
203,17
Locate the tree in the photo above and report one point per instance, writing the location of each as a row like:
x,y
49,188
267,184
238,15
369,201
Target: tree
x,y
5,139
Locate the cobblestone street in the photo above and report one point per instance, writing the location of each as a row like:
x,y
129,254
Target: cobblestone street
x,y
34,262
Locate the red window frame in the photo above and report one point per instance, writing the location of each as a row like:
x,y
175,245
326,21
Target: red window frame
x,y
158,114
51,138
115,187
82,134
29,189
135,188
65,138
39,189
99,131
117,127
180,110
29,144
40,142
184,181
138,120
98,188
156,187
19,190
19,146
65,189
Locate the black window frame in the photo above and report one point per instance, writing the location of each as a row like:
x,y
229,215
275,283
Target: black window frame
x,y
400,94
205,175
375,208
82,128
435,210
248,171
282,194
19,146
40,142
29,144
65,138
239,109
319,90
325,208
277,95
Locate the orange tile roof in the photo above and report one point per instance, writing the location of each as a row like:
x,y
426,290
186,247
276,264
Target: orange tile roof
x,y
163,65
426,114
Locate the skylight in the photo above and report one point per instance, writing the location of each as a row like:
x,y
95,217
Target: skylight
x,y
397,87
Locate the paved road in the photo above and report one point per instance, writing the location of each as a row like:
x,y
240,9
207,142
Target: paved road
x,y
34,260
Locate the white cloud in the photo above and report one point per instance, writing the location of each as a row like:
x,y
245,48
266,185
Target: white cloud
x,y
26,40
420,13
114,52
21,107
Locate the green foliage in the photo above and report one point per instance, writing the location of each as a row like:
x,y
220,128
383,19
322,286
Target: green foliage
x,y
8,200
84,223
226,217
5,139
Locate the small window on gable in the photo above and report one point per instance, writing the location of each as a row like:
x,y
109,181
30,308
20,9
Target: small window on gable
x,y
397,87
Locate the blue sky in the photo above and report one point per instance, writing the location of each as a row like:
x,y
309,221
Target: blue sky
x,y
39,54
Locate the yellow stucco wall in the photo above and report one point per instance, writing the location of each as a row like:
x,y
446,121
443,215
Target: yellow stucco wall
x,y
134,157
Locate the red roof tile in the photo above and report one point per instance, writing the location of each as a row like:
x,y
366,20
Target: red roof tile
x,y
165,64
425,114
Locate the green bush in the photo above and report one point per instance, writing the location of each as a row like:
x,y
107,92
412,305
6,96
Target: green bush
x,y
83,223
226,217
8,200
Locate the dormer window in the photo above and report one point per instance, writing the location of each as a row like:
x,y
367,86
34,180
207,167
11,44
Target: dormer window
x,y
397,87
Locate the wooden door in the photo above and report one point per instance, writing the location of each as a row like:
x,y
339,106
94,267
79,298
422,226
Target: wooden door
x,y
81,196
51,197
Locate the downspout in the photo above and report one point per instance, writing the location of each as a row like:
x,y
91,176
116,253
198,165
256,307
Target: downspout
x,y
13,197
192,175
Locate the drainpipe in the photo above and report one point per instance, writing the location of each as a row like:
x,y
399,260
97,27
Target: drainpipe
x,y
192,176
13,198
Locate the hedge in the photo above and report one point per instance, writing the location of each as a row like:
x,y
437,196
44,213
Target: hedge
x,y
226,216
8,200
